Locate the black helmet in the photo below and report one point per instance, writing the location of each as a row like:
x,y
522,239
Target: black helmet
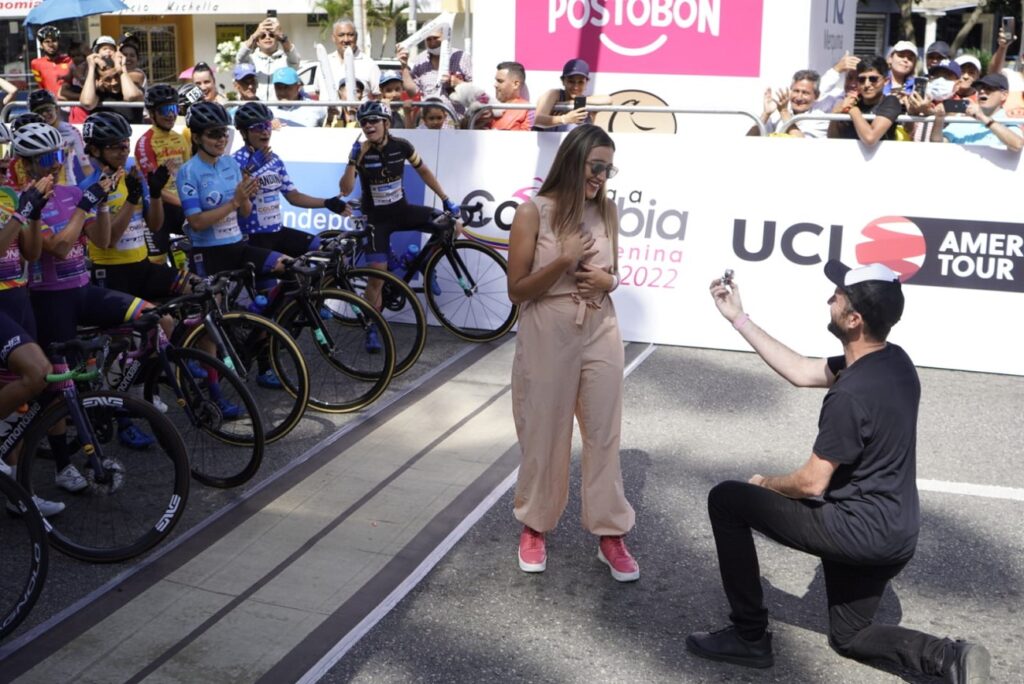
x,y
48,31
252,113
161,93
205,115
188,95
25,119
373,108
36,138
40,98
106,128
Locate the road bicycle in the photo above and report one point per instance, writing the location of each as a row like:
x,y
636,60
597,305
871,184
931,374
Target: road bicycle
x,y
24,554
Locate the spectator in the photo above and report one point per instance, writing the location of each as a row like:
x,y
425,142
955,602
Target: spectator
x,y
575,77
269,50
104,46
970,70
902,65
366,70
77,164
77,52
107,81
988,127
853,503
935,53
130,47
998,64
423,76
51,69
471,98
869,99
392,91
246,82
509,81
435,118
800,98
346,118
943,77
288,88
10,90
202,76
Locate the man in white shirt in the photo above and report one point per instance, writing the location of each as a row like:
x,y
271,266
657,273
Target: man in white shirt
x,y
268,49
345,35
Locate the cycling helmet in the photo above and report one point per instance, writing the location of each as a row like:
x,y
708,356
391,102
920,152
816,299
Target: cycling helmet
x,y
40,98
373,108
5,133
23,119
205,115
188,95
48,31
105,128
159,94
252,113
34,139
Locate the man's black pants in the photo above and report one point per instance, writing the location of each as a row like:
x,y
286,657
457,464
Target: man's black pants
x,y
854,589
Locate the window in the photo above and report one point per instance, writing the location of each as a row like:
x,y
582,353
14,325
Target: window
x,y
159,54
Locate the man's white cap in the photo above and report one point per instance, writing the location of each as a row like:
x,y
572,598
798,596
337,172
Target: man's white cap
x,y
842,275
968,59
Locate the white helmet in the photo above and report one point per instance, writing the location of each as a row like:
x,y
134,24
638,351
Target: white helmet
x,y
34,139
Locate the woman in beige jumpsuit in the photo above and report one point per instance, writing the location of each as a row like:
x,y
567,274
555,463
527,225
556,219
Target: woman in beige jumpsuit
x,y
569,354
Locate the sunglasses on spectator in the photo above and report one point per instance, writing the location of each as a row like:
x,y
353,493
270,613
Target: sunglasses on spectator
x,y
261,127
373,120
869,79
45,110
167,110
48,159
597,168
216,133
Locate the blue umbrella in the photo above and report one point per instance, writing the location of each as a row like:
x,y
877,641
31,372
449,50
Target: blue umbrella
x,y
49,11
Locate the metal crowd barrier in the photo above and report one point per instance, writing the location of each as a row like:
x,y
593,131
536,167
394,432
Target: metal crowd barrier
x,y
903,118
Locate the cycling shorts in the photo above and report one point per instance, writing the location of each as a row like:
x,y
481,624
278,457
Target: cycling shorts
x,y
16,303
159,243
208,261
383,224
62,311
286,241
142,279
12,336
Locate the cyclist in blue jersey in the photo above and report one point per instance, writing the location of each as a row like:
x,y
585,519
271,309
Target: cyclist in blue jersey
x,y
379,161
215,193
264,225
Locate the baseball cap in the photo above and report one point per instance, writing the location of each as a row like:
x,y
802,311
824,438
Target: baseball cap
x,y
947,65
874,292
901,46
388,76
285,76
576,67
103,40
243,70
997,81
939,47
968,59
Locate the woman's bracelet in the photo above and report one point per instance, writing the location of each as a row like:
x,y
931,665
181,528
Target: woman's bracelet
x,y
741,321
615,282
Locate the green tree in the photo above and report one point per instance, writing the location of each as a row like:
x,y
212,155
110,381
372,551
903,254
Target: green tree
x,y
385,15
331,11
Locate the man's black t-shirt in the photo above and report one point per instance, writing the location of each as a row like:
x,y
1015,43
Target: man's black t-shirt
x,y
889,107
868,425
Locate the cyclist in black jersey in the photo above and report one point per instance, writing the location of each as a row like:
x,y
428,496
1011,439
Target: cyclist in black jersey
x,y
379,162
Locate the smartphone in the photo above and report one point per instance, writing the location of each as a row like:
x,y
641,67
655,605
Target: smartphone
x,y
272,13
579,102
920,84
1009,26
955,106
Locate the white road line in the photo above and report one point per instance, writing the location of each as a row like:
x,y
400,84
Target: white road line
x,y
968,489
332,657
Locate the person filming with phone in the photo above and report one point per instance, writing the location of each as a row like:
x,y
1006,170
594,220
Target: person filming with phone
x,y
984,124
268,49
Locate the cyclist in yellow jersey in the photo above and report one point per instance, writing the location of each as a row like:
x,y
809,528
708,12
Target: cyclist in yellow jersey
x,y
161,145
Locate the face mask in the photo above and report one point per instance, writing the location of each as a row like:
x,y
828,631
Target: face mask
x,y
939,89
434,51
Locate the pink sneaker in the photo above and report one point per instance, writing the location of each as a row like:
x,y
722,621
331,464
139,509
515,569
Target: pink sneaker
x,y
532,555
612,552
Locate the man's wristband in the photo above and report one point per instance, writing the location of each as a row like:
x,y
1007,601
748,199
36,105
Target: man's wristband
x,y
741,321
990,122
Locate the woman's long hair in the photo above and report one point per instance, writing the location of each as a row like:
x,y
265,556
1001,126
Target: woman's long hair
x,y
566,180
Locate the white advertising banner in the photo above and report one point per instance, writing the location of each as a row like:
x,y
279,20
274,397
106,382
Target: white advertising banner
x,y
773,210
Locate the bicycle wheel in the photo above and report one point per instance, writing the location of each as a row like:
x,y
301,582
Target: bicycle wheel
x,y
137,496
346,376
468,291
261,345
219,420
24,555
401,309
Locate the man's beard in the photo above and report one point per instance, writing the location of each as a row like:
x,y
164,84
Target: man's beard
x,y
840,334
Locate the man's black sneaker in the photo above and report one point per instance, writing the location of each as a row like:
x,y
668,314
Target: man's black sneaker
x,y
728,646
970,664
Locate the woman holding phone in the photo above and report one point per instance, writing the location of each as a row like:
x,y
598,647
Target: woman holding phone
x,y
575,78
569,355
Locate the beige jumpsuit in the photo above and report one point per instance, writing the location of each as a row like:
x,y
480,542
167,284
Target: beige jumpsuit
x,y
569,360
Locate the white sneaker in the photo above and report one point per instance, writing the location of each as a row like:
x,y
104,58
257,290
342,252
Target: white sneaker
x,y
159,404
46,508
71,480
